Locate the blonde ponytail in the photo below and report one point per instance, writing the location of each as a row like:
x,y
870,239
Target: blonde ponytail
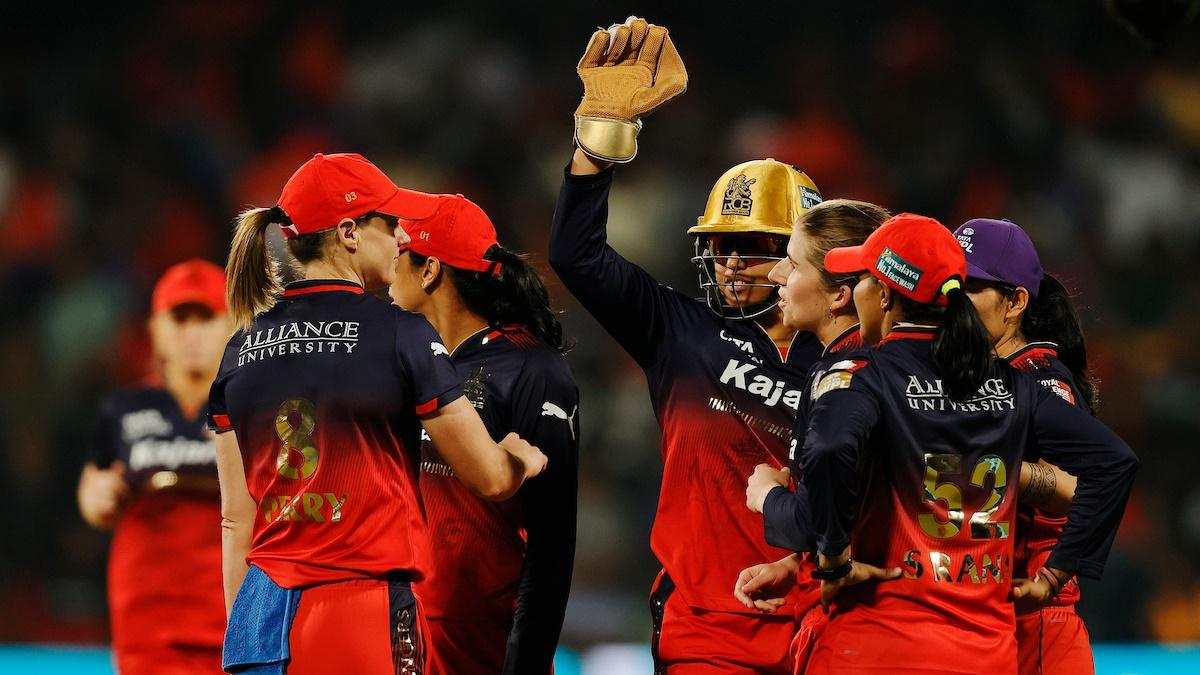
x,y
252,280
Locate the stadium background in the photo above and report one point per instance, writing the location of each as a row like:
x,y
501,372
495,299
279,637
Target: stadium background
x,y
130,136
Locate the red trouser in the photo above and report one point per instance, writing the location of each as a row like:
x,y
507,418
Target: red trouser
x,y
367,627
168,661
465,647
1053,641
812,624
690,641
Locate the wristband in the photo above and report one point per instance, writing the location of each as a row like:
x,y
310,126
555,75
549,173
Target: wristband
x,y
833,573
1052,580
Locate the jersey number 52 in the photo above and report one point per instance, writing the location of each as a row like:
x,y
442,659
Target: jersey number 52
x,y
943,476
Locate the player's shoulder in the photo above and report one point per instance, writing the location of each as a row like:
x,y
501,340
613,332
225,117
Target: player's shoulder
x,y
535,357
851,368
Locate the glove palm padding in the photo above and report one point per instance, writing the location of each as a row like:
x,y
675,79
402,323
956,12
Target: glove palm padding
x,y
628,72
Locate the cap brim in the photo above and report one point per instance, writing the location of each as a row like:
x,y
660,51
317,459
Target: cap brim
x,y
410,205
845,260
977,273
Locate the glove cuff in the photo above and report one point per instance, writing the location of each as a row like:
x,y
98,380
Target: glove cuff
x,y
606,139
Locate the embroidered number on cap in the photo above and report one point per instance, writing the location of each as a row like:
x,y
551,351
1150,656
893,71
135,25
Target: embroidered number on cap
x,y
351,196
294,425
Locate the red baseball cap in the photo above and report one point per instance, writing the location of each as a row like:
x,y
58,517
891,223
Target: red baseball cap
x,y
459,234
327,189
192,281
915,255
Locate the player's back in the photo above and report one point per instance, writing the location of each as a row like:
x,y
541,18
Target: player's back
x,y
324,391
937,499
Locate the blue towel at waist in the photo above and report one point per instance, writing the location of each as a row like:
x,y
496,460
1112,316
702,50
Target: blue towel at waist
x,y
256,638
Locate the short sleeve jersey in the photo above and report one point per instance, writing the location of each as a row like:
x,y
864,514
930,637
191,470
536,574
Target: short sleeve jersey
x,y
324,392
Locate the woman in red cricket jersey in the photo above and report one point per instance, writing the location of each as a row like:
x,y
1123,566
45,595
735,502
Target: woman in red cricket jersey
x,y
906,460
151,476
326,388
497,595
1030,318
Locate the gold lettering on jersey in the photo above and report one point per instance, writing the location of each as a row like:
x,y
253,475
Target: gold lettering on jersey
x,y
336,506
940,563
968,567
306,507
996,571
979,569
913,569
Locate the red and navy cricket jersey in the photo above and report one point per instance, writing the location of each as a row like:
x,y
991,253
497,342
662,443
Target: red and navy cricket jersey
x,y
724,395
169,530
324,392
496,560
928,484
1036,530
786,520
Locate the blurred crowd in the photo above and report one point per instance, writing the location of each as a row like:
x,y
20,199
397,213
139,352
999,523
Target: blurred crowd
x,y
130,138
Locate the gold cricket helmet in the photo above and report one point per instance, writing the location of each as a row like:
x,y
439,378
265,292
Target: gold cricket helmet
x,y
746,225
762,195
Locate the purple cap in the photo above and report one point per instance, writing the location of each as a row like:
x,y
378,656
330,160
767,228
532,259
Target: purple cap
x,y
1001,252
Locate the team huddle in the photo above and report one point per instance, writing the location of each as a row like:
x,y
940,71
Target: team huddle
x,y
879,448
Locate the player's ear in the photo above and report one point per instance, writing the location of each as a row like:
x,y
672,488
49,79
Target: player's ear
x,y
347,234
1018,302
886,299
430,273
842,297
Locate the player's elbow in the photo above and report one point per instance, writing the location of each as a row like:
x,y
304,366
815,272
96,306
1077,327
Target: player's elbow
x,y
496,489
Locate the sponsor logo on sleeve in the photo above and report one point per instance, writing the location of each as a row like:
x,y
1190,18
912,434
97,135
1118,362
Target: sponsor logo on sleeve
x,y
1060,388
551,410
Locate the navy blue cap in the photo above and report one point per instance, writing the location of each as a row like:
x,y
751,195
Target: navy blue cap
x,y
999,251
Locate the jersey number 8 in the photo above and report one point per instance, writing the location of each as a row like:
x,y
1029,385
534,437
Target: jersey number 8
x,y
294,424
982,527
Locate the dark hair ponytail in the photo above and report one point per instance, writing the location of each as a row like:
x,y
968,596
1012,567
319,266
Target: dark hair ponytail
x,y
1051,318
962,347
514,296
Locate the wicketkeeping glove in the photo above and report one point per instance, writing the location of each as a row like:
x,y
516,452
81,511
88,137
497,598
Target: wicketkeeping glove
x,y
628,71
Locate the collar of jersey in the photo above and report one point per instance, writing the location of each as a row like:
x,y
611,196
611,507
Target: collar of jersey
x,y
910,331
1047,348
849,339
321,286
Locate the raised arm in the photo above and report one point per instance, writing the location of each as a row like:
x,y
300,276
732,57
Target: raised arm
x,y
627,71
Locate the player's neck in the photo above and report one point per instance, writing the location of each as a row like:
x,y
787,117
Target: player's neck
x,y
1007,345
331,269
772,324
830,330
189,389
453,321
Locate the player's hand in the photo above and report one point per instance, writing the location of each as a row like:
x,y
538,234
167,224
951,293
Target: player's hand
x,y
764,586
859,573
531,459
1030,595
628,72
764,479
103,494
